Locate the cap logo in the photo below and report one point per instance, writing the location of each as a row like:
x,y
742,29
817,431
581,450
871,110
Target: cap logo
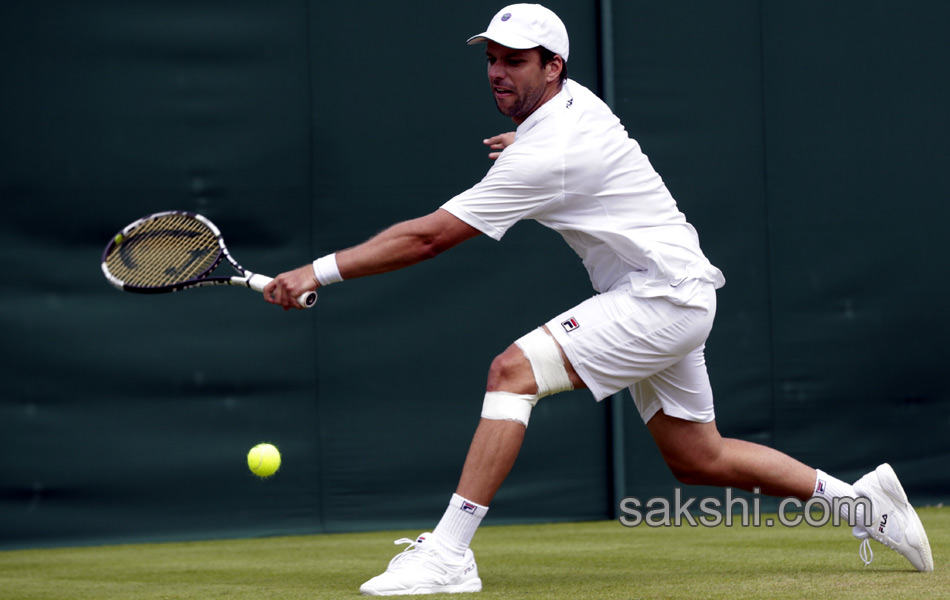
x,y
505,16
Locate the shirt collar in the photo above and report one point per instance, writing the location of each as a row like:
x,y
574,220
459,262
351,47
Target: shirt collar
x,y
561,99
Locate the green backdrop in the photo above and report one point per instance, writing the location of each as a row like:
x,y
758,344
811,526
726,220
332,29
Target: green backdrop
x,y
805,141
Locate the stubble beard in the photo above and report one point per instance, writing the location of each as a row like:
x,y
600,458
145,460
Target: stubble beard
x,y
523,106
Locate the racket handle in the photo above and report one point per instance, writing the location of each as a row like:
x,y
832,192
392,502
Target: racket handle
x,y
257,282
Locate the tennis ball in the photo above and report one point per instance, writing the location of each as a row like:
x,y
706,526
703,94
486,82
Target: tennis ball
x,y
263,460
118,238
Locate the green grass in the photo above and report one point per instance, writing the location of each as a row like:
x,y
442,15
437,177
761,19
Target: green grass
x,y
550,562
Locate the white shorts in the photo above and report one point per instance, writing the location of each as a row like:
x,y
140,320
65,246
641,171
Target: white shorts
x,y
650,346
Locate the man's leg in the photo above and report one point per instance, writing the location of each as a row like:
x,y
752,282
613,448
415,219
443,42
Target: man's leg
x,y
496,443
494,449
442,561
698,455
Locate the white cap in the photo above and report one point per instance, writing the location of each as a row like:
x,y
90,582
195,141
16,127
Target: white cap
x,y
523,26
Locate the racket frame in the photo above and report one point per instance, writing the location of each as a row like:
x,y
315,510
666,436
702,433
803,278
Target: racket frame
x,y
254,281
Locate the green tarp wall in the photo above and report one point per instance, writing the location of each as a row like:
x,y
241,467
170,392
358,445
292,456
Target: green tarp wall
x,y
806,142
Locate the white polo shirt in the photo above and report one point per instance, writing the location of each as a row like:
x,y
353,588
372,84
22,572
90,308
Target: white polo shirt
x,y
573,168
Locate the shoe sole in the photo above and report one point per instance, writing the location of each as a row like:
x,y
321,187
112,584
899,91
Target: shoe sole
x,y
470,586
893,488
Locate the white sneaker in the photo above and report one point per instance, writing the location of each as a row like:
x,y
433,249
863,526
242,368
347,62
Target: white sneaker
x,y
420,569
895,522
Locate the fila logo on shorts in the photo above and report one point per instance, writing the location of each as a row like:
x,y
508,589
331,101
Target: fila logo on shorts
x,y
570,325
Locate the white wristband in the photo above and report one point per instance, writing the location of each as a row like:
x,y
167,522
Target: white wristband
x,y
326,270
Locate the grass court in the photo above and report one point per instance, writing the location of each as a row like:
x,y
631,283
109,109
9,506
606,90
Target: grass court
x,y
593,560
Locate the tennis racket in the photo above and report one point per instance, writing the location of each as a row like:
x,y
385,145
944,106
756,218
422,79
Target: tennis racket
x,y
175,250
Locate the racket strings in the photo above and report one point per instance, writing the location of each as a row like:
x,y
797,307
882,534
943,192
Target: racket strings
x,y
165,251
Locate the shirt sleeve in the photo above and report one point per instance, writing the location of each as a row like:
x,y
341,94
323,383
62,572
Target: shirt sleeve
x,y
517,187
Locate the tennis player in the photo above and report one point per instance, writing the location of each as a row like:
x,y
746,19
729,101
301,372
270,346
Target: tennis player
x,y
571,166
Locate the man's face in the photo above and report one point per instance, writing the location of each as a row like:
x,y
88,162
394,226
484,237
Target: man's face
x,y
518,80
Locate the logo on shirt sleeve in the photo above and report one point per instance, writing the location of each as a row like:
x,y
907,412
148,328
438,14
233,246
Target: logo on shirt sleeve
x,y
570,325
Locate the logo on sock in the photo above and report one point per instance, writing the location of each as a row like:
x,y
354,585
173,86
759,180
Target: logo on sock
x,y
468,507
820,488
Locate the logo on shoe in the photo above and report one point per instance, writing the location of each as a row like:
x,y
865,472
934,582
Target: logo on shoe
x,y
883,523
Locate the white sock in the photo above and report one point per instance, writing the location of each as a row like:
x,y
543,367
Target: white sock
x,y
829,488
455,531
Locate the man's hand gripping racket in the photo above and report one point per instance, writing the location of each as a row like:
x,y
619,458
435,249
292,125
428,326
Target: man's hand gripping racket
x,y
290,286
176,250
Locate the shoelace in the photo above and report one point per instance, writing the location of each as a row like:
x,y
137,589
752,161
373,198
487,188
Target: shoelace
x,y
865,551
413,551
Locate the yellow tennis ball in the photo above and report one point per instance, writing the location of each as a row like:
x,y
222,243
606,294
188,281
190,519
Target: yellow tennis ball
x,y
263,460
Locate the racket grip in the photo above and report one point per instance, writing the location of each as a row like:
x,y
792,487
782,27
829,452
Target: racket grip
x,y
257,282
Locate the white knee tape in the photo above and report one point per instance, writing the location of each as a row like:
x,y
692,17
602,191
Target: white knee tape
x,y
505,406
549,372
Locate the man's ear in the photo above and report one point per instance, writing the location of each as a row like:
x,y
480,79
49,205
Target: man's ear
x,y
553,69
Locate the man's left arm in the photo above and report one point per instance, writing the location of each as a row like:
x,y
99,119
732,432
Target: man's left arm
x,y
498,143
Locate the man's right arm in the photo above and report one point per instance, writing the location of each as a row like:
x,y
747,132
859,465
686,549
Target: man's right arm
x,y
399,246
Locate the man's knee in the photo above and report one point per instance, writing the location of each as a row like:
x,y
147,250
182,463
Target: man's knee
x,y
696,465
691,473
527,371
692,451
511,372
